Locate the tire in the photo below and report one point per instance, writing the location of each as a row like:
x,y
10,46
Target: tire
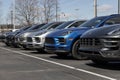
x,y
75,51
16,46
25,47
62,54
7,44
99,61
40,50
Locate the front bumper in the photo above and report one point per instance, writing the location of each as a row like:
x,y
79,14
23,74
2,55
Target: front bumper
x,y
35,45
106,48
57,45
57,48
29,45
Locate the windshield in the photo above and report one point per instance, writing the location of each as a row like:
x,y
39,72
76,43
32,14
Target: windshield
x,y
62,26
46,26
54,25
37,27
93,22
26,28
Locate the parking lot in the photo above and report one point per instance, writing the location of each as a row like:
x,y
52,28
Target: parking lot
x,y
20,64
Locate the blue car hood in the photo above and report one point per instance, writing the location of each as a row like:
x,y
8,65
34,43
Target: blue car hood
x,y
59,32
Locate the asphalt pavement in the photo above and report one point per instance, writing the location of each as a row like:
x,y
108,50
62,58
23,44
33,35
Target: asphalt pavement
x,y
20,64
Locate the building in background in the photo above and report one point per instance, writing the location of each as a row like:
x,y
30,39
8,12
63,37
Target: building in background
x,y
7,27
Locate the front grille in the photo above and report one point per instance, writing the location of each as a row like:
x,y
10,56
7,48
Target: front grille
x,y
111,43
49,47
29,39
21,39
49,40
89,42
37,39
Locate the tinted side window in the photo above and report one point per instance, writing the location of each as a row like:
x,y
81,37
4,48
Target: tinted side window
x,y
38,26
54,26
115,20
76,24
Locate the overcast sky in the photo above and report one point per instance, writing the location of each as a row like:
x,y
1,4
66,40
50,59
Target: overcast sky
x,y
78,9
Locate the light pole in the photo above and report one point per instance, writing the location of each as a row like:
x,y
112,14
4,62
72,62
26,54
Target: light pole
x,y
13,14
118,6
56,10
11,17
63,15
95,8
77,12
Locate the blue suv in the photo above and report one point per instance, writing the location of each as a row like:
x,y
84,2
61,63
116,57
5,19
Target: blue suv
x,y
66,42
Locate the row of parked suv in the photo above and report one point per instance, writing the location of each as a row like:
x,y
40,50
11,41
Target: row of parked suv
x,y
97,39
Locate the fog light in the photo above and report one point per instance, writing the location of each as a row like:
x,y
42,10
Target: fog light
x,y
104,49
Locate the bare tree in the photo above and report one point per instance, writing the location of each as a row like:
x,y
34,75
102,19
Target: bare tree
x,y
1,18
1,10
27,11
49,9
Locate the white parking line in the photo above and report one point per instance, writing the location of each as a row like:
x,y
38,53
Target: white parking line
x,y
46,70
63,65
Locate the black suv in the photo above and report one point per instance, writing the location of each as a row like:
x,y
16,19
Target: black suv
x,y
101,45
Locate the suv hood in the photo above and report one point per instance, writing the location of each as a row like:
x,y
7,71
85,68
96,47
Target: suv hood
x,y
39,33
59,32
100,32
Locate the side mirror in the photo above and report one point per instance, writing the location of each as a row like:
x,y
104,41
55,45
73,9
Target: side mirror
x,y
93,27
51,28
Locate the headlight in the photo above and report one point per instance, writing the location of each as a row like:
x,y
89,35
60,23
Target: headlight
x,y
25,34
22,39
66,33
114,32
